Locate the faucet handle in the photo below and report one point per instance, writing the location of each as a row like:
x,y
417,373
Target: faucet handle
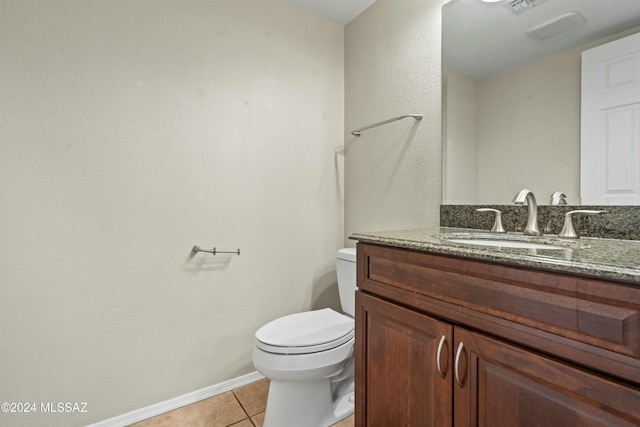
x,y
568,232
497,225
558,198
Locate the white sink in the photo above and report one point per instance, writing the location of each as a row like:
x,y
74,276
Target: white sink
x,y
510,241
506,243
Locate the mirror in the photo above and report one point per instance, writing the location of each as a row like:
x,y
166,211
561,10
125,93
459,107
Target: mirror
x,y
511,93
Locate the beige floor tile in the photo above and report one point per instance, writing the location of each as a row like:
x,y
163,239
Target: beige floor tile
x,y
253,397
258,419
217,411
243,423
347,422
224,410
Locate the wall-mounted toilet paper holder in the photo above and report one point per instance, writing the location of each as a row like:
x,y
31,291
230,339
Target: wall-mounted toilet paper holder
x,y
213,251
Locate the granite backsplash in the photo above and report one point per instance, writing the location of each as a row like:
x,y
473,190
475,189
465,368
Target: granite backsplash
x,y
622,222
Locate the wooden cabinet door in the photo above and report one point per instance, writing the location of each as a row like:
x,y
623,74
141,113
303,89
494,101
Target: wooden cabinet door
x,y
502,385
399,357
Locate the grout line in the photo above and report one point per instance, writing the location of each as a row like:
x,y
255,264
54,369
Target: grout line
x,y
239,402
241,405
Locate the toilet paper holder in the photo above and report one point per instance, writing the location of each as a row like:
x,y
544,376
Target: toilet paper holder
x,y
213,251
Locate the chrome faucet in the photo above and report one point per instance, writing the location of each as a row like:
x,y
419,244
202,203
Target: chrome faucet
x,y
568,232
558,198
532,228
497,224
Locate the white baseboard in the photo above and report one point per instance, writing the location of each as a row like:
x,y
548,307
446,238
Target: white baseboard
x,y
178,402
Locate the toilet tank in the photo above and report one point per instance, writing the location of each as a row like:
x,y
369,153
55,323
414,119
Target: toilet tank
x,y
346,269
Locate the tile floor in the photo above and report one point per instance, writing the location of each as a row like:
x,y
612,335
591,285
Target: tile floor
x,y
242,407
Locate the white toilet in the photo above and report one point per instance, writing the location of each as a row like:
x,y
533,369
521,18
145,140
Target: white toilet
x,y
309,359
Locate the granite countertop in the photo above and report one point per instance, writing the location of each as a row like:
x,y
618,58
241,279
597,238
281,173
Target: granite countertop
x,y
610,259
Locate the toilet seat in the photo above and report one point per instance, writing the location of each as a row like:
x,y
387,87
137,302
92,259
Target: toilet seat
x,y
304,333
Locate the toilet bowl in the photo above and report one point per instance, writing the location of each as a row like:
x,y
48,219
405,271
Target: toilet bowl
x,y
308,357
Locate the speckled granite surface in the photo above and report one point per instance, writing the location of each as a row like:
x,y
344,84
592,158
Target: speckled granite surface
x,y
610,259
622,222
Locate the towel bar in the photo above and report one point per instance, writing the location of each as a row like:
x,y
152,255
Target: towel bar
x,y
415,116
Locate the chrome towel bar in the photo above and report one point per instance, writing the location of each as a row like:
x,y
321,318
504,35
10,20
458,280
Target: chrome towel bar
x,y
414,116
214,251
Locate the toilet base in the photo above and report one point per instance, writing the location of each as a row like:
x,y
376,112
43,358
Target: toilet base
x,y
308,403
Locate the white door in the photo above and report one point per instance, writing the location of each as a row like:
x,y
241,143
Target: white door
x,y
610,124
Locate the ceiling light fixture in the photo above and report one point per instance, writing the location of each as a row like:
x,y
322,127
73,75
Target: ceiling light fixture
x,y
520,6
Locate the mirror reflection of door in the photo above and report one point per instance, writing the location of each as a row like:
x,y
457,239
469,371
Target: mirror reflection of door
x,y
610,123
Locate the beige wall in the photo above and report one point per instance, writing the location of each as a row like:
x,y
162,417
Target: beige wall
x,y
529,131
460,139
392,67
526,132
130,131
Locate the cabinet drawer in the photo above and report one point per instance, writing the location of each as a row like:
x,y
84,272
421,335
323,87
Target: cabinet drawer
x,y
592,322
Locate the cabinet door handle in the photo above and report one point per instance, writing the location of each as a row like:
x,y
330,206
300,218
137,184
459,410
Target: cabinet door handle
x,y
443,341
457,364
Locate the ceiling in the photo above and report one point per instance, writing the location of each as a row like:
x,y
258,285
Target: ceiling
x,y
340,11
480,39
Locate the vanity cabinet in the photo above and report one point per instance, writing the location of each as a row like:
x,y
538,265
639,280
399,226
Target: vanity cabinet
x,y
442,341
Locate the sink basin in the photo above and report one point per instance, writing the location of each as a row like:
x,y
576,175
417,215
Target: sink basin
x,y
510,241
506,244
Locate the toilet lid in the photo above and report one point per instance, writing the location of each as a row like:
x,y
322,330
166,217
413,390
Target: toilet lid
x,y
305,332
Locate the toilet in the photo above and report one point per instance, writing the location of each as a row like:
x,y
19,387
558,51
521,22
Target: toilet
x,y
309,359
